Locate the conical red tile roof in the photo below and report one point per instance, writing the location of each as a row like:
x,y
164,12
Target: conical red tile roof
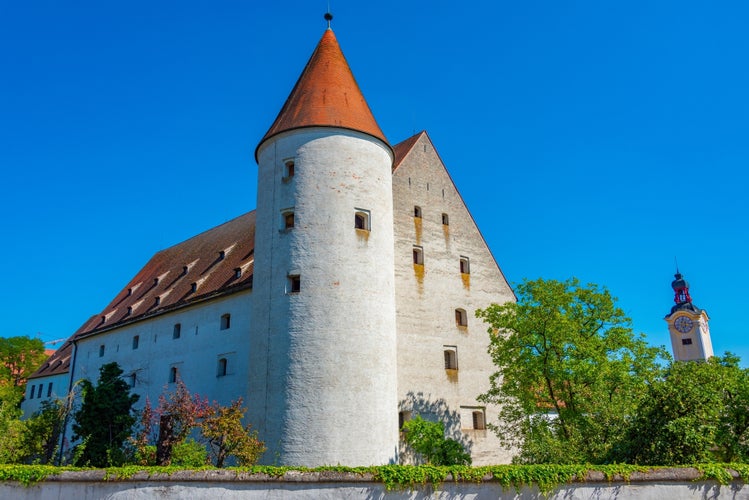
x,y
326,95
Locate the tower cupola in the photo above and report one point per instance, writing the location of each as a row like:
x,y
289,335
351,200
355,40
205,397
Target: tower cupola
x,y
688,325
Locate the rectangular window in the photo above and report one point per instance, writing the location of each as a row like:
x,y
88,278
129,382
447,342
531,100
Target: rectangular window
x,y
226,321
177,331
418,255
49,390
445,217
451,357
465,267
31,394
136,341
686,341
403,417
288,169
132,379
294,284
473,417
101,350
361,219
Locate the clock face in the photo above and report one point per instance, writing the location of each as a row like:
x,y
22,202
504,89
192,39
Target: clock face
x,y
683,324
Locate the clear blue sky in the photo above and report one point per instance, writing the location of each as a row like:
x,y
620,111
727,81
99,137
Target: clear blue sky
x,y
590,139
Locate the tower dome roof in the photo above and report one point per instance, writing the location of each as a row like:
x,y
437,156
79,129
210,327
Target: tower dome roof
x,y
326,95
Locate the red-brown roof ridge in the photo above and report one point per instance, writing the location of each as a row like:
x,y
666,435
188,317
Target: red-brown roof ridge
x,y
326,95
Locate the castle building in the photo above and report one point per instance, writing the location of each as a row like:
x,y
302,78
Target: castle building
x,y
688,325
340,307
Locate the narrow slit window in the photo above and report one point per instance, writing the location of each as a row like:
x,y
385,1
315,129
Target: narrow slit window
x,y
177,331
445,219
225,321
173,374
403,417
221,372
49,390
31,394
417,212
418,255
136,341
101,350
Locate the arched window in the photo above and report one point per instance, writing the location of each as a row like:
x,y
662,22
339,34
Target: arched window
x,y
221,371
288,170
418,255
451,358
361,220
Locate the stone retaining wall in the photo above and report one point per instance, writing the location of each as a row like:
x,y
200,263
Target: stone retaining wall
x,y
662,484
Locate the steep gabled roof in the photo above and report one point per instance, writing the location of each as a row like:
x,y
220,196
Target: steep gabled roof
x,y
401,150
326,95
214,263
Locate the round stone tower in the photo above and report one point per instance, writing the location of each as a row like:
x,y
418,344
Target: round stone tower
x,y
323,345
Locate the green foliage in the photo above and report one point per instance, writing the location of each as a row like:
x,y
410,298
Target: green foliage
x,y
222,428
570,371
19,358
105,418
697,412
189,454
42,431
179,412
11,427
428,440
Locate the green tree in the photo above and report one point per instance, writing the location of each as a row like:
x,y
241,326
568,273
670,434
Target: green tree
x,y
178,413
222,428
105,418
428,440
41,435
696,412
570,371
11,427
19,358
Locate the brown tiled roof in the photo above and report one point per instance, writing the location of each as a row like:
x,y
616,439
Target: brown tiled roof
x,y
401,149
326,95
209,260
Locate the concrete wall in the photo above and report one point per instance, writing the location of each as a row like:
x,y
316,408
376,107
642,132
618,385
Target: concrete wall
x,y
427,296
658,485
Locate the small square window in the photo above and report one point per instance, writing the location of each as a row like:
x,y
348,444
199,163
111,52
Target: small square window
x,y
136,341
361,220
225,321
295,284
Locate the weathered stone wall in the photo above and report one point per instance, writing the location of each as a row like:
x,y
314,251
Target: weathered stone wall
x,y
427,296
671,484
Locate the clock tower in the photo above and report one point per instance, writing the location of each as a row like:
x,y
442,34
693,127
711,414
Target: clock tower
x,y
688,325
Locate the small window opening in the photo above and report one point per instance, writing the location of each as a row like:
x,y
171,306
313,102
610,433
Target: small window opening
x,y
221,255
221,367
417,212
31,394
288,220
184,270
403,417
129,292
295,283
451,358
461,318
157,300
129,310
418,255
237,272
465,268
445,220
173,374
478,420
101,350
136,341
193,287
177,331
225,321
361,220
155,281
132,379
49,390
288,170
686,341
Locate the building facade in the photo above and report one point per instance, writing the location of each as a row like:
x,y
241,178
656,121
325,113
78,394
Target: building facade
x,y
688,325
339,308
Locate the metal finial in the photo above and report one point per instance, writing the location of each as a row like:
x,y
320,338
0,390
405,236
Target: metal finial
x,y
328,17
